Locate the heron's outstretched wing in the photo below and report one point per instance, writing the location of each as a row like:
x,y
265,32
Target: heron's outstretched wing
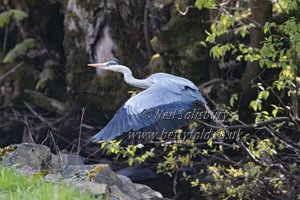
x,y
156,109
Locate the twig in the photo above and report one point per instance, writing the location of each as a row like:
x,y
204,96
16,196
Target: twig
x,y
274,93
186,9
5,38
146,29
210,82
57,152
4,76
247,126
40,117
80,131
262,163
176,169
29,131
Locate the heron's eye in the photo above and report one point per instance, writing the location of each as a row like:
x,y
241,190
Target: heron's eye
x,y
112,63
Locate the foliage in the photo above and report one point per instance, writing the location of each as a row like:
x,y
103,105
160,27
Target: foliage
x,y
266,160
281,51
129,152
19,50
15,186
5,17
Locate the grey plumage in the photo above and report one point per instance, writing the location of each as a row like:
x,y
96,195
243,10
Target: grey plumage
x,y
164,92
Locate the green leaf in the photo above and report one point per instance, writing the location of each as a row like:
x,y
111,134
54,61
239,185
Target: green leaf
x,y
232,99
274,112
10,57
130,161
139,146
46,75
261,63
19,50
19,14
209,142
4,18
253,105
29,43
204,4
265,94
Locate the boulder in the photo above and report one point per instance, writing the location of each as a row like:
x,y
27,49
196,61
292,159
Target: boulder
x,y
96,179
106,175
77,172
147,192
30,157
93,188
64,160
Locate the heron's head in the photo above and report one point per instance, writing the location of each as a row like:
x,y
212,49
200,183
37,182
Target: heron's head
x,y
111,65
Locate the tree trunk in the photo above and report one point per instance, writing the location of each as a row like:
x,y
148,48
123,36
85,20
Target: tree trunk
x,y
261,12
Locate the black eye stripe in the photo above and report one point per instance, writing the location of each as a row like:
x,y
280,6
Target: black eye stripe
x,y
112,63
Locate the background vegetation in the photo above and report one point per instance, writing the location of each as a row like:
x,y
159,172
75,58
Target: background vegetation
x,y
244,55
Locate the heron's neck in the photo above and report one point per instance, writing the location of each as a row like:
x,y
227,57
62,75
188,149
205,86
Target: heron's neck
x,y
128,78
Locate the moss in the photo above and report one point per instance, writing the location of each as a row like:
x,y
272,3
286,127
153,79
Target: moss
x,y
45,102
88,4
178,44
6,150
93,172
106,92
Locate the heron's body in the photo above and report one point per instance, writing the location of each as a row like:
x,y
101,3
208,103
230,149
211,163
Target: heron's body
x,y
165,93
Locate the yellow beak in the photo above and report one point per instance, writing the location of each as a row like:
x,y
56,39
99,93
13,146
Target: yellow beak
x,y
96,65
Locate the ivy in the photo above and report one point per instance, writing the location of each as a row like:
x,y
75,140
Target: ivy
x,y
6,16
19,50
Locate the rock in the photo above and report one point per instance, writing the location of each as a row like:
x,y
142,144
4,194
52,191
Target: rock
x,y
53,177
138,174
30,157
60,162
71,159
93,188
56,163
126,182
116,193
107,176
77,172
129,188
147,193
33,158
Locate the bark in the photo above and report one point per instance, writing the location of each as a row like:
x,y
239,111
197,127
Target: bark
x,y
261,12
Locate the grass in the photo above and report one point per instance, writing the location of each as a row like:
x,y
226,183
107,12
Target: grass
x,y
14,186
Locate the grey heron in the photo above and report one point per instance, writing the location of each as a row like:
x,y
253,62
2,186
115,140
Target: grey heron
x,y
164,93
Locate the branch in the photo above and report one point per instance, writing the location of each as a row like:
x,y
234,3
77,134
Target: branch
x,y
210,82
4,76
262,163
40,117
146,29
186,9
247,126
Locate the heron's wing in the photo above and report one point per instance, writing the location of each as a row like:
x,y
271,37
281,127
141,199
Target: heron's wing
x,y
158,108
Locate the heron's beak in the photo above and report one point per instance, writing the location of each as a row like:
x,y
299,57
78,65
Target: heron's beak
x,y
96,65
